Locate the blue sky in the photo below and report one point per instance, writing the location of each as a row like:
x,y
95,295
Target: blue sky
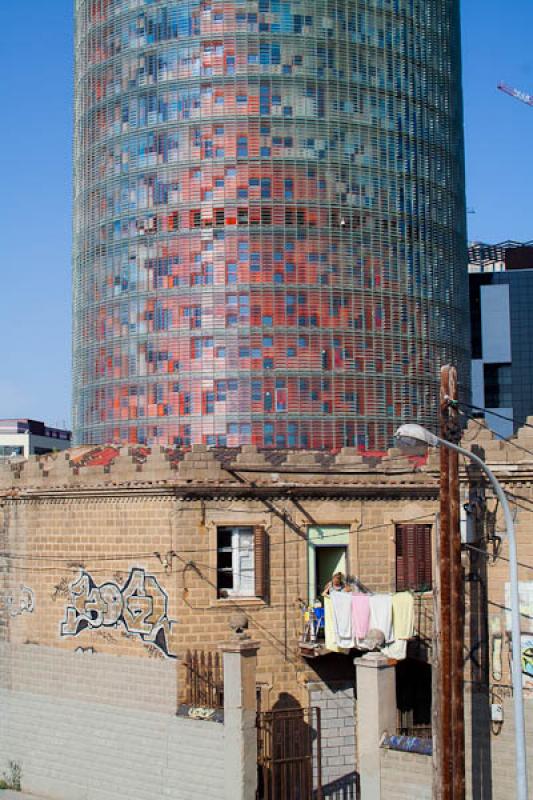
x,y
35,178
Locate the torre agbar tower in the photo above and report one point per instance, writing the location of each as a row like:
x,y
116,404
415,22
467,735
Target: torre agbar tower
x,y
269,236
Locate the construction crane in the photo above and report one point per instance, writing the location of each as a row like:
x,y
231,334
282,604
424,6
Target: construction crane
x,y
516,93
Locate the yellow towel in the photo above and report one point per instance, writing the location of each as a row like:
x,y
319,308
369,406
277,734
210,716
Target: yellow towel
x,y
403,615
329,624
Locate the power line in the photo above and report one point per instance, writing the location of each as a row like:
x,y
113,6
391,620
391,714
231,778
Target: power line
x,y
504,558
501,438
125,556
489,411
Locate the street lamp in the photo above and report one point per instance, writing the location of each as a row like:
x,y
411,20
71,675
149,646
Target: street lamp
x,y
410,435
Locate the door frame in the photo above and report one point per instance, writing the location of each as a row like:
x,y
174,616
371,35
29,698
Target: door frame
x,y
323,536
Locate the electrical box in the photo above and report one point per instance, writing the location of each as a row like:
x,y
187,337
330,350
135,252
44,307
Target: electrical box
x,y
472,504
496,712
467,525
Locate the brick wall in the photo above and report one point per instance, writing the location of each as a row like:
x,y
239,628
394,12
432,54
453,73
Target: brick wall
x,y
499,756
61,520
159,513
336,702
74,750
405,776
86,725
125,682
77,536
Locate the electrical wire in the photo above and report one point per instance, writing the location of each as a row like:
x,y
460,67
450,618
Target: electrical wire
x,y
501,438
193,551
488,411
503,558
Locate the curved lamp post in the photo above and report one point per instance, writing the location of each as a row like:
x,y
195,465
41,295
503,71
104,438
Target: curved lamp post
x,y
411,435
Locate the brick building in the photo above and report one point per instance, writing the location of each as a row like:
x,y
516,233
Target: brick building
x,y
116,562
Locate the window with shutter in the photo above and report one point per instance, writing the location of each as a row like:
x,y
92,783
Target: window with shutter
x,y
261,556
413,557
242,562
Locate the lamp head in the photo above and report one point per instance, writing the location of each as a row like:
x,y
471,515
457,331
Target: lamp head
x,y
411,436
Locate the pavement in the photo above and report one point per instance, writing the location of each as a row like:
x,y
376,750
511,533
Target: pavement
x,y
10,794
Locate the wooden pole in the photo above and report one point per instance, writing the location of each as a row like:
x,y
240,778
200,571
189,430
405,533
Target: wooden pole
x,y
435,666
444,644
457,604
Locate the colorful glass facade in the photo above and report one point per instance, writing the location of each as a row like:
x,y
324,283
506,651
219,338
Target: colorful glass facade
x,y
269,238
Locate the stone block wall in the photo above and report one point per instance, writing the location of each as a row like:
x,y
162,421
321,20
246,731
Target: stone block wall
x,y
75,750
154,520
108,576
500,758
94,726
337,705
405,776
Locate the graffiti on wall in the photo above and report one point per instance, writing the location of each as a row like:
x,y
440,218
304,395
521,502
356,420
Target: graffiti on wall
x,y
139,606
526,648
525,593
21,602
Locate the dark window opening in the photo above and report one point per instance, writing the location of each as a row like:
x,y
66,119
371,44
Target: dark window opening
x,y
242,562
498,383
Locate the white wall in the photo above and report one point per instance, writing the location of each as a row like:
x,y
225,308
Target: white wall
x,y
16,440
102,727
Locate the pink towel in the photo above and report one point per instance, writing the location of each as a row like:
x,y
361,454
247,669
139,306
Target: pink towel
x,y
360,615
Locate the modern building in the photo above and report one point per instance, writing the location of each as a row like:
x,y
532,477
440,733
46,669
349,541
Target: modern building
x,y
269,236
501,298
25,437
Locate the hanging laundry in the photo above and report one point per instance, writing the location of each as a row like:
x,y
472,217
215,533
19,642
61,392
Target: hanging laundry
x,y
360,615
396,650
342,613
381,614
403,615
329,625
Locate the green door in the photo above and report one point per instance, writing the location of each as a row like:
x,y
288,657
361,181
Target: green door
x,y
328,561
327,553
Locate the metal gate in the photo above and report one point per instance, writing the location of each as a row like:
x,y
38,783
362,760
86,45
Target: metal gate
x,y
288,754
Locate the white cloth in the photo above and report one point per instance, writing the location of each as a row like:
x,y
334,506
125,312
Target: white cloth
x,y
329,624
342,614
403,615
396,650
381,614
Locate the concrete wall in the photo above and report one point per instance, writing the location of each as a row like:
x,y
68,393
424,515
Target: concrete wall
x,y
501,757
406,776
337,705
90,726
490,765
71,750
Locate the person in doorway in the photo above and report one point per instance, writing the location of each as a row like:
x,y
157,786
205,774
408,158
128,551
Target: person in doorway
x,y
336,584
349,584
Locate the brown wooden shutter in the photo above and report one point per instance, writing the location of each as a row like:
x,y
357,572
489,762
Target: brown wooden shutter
x,y
401,558
413,557
423,557
261,565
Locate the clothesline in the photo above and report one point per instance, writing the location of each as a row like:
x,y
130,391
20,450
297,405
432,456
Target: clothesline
x,y
369,622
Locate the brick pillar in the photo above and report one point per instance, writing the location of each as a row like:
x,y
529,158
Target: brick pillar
x,y
240,708
376,714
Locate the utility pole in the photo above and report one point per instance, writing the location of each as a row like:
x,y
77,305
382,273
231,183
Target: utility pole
x,y
444,738
457,601
450,623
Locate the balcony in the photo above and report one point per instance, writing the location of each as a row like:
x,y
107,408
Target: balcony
x,y
312,642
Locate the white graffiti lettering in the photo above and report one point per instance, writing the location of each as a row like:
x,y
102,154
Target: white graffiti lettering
x,y
140,607
24,602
